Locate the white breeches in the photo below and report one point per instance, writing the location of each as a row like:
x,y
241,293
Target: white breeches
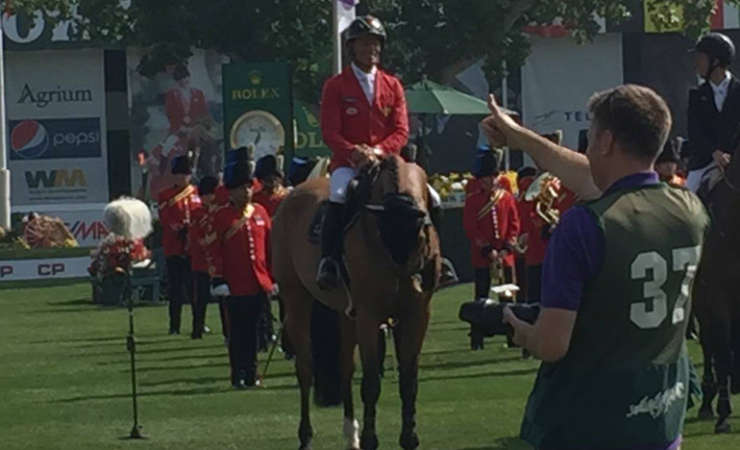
x,y
693,181
340,178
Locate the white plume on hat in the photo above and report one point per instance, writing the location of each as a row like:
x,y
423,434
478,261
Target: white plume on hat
x,y
128,217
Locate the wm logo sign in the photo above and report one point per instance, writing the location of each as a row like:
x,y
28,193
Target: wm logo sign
x,y
57,178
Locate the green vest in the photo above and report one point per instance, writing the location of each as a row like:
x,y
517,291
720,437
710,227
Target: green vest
x,y
625,379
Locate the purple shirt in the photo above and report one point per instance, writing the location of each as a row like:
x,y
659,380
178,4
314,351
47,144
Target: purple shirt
x,y
575,255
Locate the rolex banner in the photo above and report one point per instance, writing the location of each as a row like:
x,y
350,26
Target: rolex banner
x,y
258,108
55,102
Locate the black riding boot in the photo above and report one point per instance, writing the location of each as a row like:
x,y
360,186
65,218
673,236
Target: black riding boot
x,y
331,237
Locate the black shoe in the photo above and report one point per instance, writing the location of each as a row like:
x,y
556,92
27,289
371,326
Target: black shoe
x,y
196,336
173,331
239,385
328,276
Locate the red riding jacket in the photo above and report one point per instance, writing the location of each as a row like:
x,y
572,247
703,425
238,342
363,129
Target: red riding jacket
x,y
348,119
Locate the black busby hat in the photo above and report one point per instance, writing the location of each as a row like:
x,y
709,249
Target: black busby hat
x,y
239,168
181,165
670,153
267,166
207,185
486,162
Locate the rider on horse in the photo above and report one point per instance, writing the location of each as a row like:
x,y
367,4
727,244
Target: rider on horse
x,y
363,115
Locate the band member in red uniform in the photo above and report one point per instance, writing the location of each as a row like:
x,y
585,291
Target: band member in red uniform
x,y
175,207
220,201
241,253
196,250
272,192
363,114
491,222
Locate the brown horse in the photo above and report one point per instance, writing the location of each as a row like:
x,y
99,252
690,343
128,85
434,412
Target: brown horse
x,y
716,302
393,262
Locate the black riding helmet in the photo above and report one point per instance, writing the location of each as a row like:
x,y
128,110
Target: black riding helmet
x,y
366,25
719,48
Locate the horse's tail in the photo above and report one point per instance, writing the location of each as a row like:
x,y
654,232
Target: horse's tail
x,y
325,347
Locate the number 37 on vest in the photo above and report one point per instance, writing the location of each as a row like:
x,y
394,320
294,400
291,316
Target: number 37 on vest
x,y
683,260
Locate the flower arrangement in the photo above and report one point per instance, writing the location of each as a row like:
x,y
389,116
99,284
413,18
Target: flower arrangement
x,y
117,254
451,187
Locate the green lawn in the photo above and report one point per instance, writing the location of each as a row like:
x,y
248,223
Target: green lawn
x,y
64,383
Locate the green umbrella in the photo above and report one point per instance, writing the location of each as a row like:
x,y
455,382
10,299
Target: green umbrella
x,y
428,97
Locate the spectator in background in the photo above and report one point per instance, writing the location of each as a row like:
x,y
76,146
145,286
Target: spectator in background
x,y
667,165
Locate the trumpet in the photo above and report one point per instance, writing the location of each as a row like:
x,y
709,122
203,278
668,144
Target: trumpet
x,y
545,191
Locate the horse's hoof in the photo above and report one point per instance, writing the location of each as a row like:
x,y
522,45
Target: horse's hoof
x,y
369,442
706,413
409,441
735,386
723,426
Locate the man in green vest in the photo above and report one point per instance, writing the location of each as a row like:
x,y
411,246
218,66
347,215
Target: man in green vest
x,y
615,284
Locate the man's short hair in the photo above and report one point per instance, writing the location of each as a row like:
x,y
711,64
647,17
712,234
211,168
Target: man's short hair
x,y
637,117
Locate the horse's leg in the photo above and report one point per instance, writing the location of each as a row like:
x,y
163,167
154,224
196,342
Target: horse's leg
x,y
709,382
367,336
409,336
735,376
347,353
298,326
723,360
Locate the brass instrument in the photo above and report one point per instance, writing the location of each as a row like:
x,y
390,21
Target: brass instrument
x,y
545,191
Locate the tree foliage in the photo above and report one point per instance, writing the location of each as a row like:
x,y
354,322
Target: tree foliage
x,y
425,36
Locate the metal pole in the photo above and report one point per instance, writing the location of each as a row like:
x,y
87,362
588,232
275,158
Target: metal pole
x,y
505,102
336,61
4,172
131,345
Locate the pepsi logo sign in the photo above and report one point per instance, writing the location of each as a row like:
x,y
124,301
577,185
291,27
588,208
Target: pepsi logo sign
x,y
29,139
54,138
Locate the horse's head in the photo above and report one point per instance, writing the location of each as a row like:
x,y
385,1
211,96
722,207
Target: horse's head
x,y
400,199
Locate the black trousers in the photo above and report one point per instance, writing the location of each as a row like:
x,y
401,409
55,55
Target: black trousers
x,y
244,312
534,283
201,297
178,276
482,283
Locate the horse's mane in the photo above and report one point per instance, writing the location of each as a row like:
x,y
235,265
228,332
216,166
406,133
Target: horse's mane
x,y
390,166
401,218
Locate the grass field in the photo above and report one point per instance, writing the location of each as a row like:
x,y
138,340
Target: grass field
x,y
64,384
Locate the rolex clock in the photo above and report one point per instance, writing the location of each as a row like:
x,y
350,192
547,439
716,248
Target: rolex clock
x,y
261,129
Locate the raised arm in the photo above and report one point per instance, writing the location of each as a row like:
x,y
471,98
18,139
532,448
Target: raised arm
x,y
570,166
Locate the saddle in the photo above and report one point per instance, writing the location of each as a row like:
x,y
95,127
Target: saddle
x,y
358,193
709,181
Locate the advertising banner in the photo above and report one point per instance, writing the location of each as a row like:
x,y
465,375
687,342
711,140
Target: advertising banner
x,y
175,111
258,108
560,76
44,269
308,141
55,102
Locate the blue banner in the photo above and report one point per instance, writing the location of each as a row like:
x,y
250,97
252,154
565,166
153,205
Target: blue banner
x,y
34,139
